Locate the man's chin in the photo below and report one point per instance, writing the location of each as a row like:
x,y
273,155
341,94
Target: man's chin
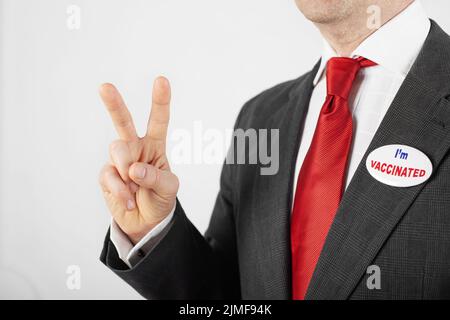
x,y
325,11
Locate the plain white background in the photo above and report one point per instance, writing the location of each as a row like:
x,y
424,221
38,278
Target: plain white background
x,y
54,131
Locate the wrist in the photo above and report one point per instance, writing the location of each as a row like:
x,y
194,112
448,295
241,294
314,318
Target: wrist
x,y
136,237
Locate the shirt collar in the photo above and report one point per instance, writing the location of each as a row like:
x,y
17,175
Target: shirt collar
x,y
394,46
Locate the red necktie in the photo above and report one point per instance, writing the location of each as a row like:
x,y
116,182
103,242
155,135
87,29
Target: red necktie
x,y
321,181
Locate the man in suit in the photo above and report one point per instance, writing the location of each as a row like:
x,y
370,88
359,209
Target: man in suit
x,y
314,229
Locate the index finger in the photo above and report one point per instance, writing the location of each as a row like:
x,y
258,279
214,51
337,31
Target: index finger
x,y
160,113
120,115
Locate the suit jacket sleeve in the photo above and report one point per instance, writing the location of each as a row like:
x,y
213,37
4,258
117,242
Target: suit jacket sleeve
x,y
185,264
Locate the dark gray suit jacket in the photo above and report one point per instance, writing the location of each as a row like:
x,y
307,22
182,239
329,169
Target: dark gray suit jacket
x,y
245,252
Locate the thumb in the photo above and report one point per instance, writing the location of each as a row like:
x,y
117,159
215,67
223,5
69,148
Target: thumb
x,y
163,182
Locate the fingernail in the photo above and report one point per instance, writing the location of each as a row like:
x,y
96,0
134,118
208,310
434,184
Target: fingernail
x,y
140,172
130,204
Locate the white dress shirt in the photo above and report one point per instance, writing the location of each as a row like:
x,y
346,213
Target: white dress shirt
x,y
394,47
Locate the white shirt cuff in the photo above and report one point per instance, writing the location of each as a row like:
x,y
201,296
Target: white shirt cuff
x,y
123,245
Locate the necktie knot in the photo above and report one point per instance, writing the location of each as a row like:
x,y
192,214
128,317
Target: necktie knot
x,y
341,73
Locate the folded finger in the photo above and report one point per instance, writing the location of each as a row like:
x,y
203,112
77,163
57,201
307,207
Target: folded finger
x,y
111,182
121,157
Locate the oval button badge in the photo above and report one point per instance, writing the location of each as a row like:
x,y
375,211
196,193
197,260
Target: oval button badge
x,y
399,165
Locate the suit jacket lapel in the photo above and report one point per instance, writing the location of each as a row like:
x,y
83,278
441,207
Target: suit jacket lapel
x,y
419,117
273,201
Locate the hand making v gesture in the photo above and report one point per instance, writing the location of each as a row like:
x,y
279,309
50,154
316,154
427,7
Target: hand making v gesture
x,y
139,188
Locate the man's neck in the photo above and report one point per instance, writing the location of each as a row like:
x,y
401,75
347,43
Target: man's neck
x,y
345,36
